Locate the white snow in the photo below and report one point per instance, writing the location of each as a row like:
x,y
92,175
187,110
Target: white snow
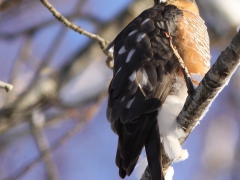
x,y
169,129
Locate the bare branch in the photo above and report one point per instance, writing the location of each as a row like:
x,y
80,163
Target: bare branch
x,y
214,81
62,140
43,145
187,76
6,86
78,127
8,4
102,42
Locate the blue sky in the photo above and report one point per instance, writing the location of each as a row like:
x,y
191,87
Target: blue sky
x,y
90,154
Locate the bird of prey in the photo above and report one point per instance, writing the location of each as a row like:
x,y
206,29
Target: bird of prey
x,y
159,58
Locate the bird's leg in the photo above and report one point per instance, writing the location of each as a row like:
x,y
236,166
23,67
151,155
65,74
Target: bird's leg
x,y
109,61
184,69
188,81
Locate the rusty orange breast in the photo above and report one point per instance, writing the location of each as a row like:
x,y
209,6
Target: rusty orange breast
x,y
193,41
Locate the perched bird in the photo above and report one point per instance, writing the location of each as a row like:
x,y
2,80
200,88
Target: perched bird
x,y
159,58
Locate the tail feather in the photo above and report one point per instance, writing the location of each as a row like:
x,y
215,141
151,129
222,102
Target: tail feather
x,y
153,147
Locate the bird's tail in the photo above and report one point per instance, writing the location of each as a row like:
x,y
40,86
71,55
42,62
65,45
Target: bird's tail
x,y
154,157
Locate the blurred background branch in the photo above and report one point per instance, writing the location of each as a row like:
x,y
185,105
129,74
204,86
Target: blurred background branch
x,y
60,78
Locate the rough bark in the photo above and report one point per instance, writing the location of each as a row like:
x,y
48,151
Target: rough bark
x,y
198,103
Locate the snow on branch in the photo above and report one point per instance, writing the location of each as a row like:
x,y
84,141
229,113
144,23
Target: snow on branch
x,y
6,86
198,103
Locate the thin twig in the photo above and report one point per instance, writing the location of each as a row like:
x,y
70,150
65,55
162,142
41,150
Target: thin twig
x,y
78,127
62,140
184,69
102,42
175,51
32,85
43,147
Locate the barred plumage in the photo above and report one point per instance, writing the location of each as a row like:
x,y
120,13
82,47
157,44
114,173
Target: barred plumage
x,y
147,81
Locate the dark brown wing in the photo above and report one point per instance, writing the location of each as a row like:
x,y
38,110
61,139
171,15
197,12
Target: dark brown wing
x,y
144,71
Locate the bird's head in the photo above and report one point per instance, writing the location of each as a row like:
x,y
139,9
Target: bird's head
x,y
169,1
189,5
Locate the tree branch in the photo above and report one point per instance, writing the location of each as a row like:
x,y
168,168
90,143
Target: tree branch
x,y
198,103
102,42
83,119
43,145
203,96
